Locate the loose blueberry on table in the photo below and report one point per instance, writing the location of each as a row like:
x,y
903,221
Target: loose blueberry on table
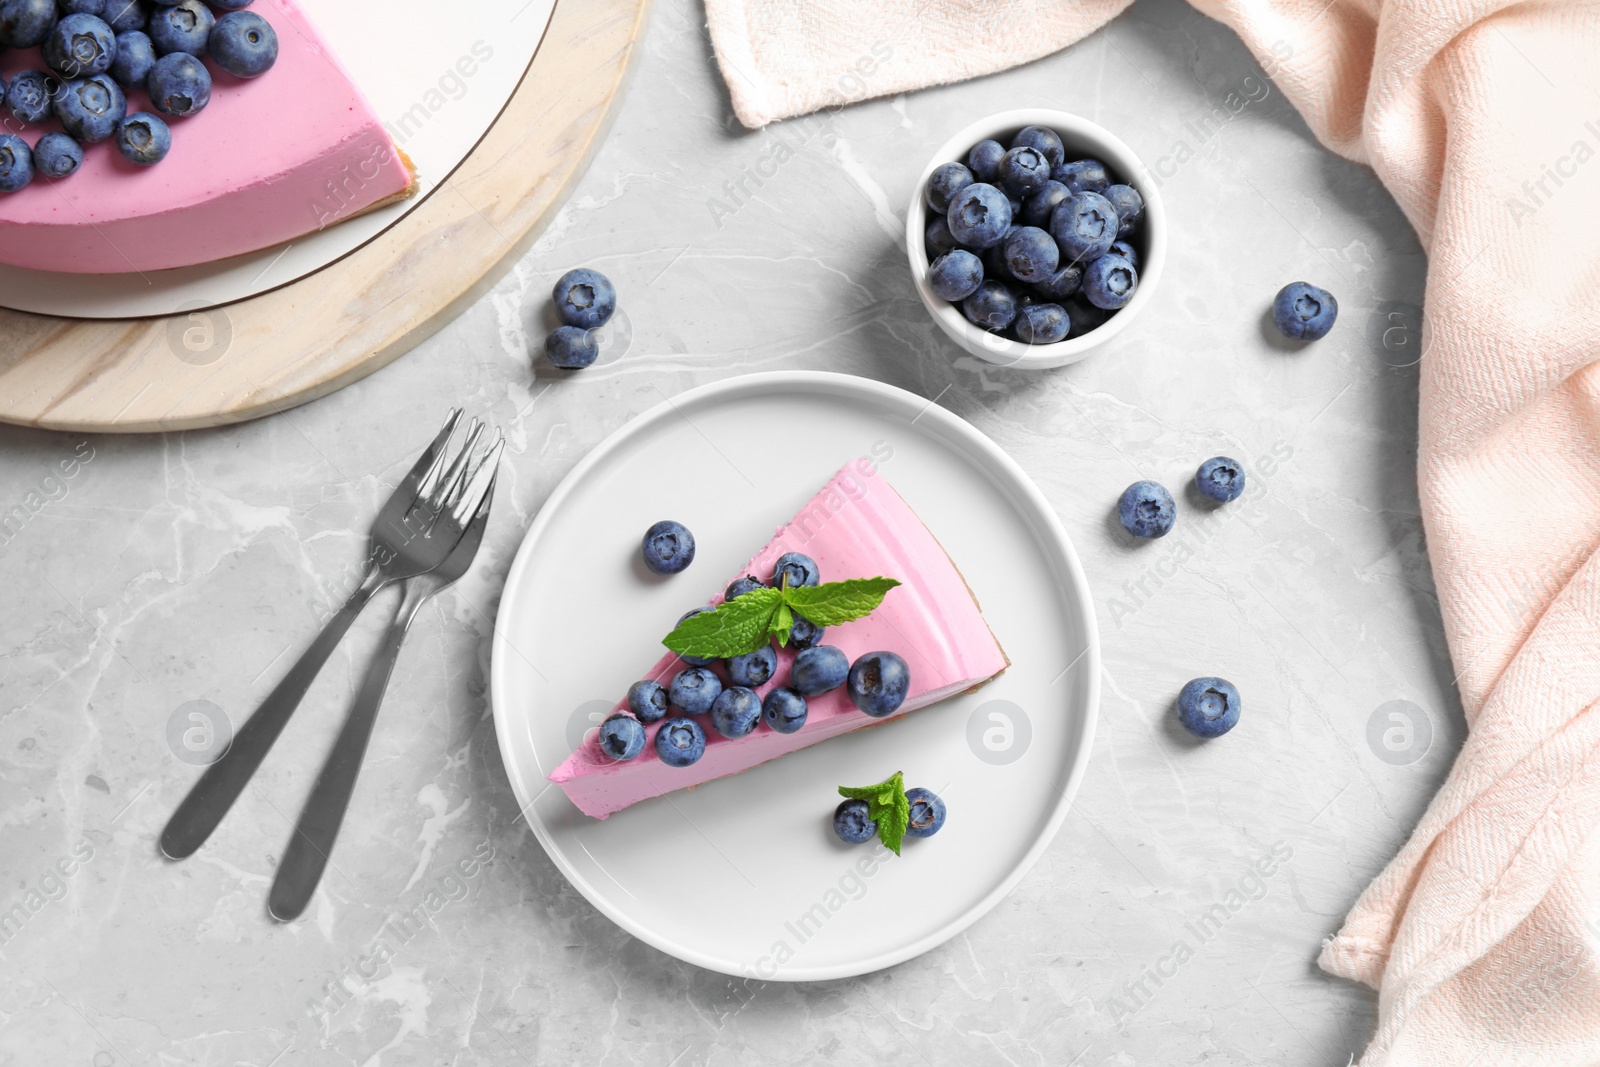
x,y
878,682
1209,707
668,547
1022,227
1304,312
927,812
852,823
584,301
1220,478
1146,509
570,348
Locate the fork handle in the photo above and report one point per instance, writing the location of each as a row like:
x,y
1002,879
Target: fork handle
x,y
307,854
211,797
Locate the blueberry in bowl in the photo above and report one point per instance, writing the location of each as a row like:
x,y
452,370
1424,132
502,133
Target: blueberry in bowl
x,y
1050,195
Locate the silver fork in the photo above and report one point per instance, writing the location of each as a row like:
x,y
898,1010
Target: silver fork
x,y
397,551
309,848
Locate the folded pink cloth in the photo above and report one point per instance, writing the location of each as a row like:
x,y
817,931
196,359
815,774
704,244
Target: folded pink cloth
x,y
1483,119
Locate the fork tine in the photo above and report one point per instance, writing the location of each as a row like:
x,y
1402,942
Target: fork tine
x,y
449,485
481,483
431,456
430,481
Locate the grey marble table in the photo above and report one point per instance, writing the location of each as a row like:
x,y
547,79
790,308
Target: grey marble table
x,y
156,585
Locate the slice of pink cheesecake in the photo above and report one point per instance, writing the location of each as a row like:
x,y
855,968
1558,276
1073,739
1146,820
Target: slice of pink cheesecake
x,y
856,527
268,160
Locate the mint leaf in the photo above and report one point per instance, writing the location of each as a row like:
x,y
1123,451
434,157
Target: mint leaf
x,y
732,628
832,603
887,805
782,623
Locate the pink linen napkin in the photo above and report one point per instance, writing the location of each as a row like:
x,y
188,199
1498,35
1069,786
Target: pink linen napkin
x,y
1483,119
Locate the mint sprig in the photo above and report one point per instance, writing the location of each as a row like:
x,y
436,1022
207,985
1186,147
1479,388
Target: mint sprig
x,y
750,620
886,805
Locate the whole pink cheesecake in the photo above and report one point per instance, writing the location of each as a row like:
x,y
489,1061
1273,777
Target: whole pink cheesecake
x,y
857,526
268,160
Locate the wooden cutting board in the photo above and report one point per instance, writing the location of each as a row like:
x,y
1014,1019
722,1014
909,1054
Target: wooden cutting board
x,y
341,323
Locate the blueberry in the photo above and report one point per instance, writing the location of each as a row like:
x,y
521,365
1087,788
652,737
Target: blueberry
x,y
57,155
995,267
979,216
740,586
1024,171
819,669
1110,282
927,812
90,108
648,700
1031,254
584,298
736,711
668,547
226,5
1301,311
878,683
1042,324
182,27
81,7
125,15
1014,201
1082,176
946,181
621,737
955,275
135,56
26,23
938,239
984,160
1126,251
1146,510
1036,210
785,710
143,138
680,742
852,823
1043,140
16,163
804,633
753,668
1084,225
80,45
1220,478
1085,316
571,348
799,568
244,44
993,306
1209,707
1129,206
693,690
696,661
31,96
1062,284
179,84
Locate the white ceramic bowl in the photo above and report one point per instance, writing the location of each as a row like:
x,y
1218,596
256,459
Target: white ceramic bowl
x,y
1083,139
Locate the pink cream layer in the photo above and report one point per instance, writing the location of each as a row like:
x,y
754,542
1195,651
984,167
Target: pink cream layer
x,y
268,160
856,527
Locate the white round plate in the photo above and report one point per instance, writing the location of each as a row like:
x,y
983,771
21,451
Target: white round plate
x,y
743,875
412,75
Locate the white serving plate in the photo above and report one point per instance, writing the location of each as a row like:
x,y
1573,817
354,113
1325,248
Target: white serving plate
x,y
743,875
412,62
